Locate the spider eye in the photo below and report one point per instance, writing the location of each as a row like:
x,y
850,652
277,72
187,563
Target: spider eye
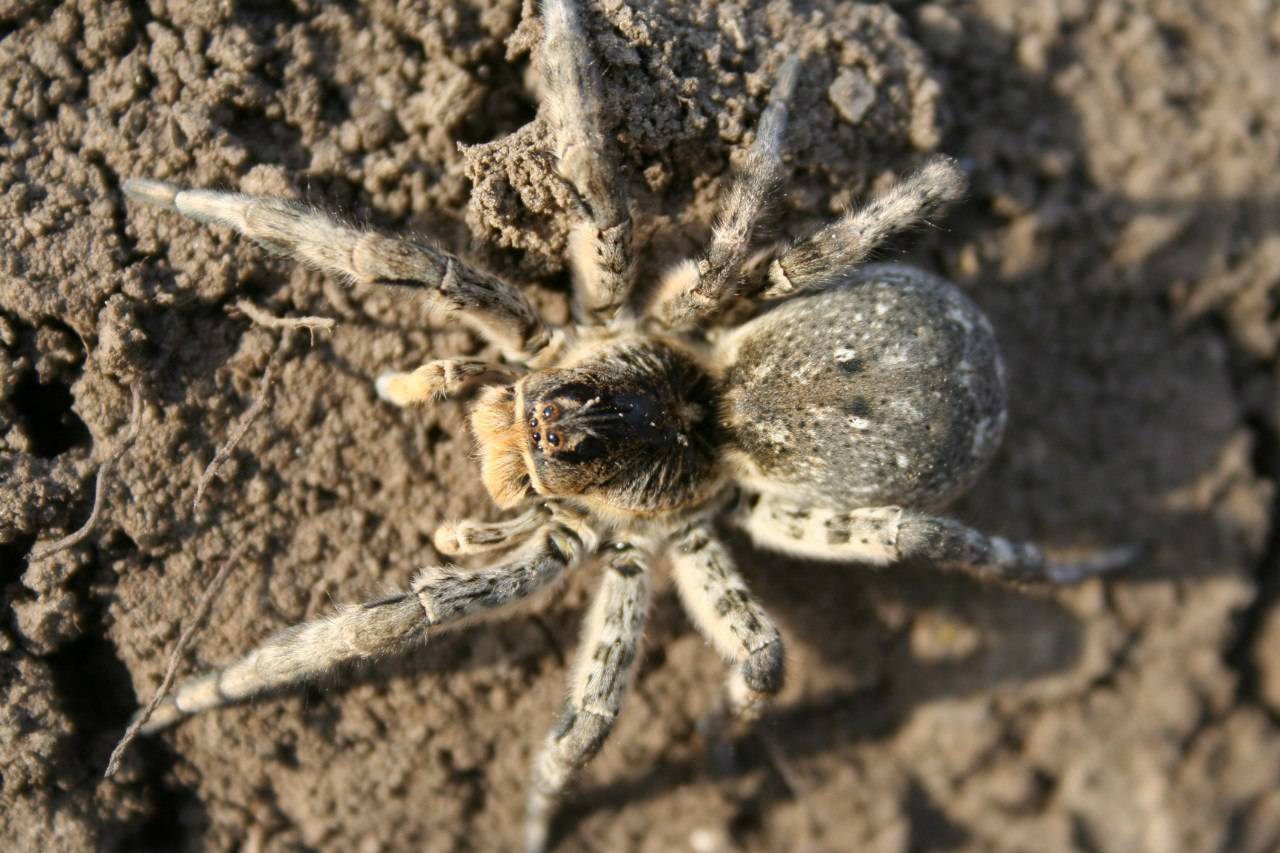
x,y
553,439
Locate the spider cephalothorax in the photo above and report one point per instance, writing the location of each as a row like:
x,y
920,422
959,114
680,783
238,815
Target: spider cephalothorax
x,y
830,425
628,427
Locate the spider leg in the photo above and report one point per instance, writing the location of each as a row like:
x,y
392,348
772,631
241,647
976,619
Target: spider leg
x,y
477,537
884,535
601,671
435,380
697,288
828,255
728,615
495,308
600,242
438,596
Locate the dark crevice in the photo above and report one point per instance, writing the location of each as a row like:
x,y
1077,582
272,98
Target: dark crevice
x,y
267,14
268,140
286,752
437,435
45,411
500,113
1245,371
177,815
92,686
335,107
931,829
747,823
1250,621
36,12
139,16
91,682
13,557
1082,837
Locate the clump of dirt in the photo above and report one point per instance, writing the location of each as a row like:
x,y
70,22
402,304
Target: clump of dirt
x,y
1121,232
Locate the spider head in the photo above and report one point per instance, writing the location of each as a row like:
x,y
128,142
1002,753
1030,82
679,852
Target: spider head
x,y
635,432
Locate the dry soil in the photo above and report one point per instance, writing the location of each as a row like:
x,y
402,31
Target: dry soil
x,y
1123,232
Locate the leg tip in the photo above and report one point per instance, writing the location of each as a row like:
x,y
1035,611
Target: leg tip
x,y
147,191
535,839
1102,562
166,715
945,177
397,389
446,539
537,822
383,385
786,81
405,389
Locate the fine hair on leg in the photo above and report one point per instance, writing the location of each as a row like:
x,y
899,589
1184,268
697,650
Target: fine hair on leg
x,y
832,252
727,614
598,680
881,536
600,239
438,596
496,309
697,288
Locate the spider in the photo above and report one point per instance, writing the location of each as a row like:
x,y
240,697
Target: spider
x,y
833,424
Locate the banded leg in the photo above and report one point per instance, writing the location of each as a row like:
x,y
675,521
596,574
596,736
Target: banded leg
x,y
600,242
883,535
716,598
697,288
830,254
435,380
495,308
601,672
438,596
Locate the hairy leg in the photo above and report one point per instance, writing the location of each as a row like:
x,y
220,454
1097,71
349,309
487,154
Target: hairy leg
x,y
436,380
495,308
717,599
601,671
600,243
831,253
438,596
883,535
699,287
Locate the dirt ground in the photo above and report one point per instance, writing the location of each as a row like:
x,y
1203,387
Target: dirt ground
x,y
1123,232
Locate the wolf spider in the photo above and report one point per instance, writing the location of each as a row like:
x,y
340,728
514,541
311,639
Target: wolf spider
x,y
856,402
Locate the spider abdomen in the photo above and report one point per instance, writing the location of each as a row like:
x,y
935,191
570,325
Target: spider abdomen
x,y
886,389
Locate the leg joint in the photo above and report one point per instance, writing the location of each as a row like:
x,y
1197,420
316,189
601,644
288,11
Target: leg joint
x,y
764,670
579,735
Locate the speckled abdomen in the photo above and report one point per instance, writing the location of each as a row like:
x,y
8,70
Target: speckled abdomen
x,y
885,390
